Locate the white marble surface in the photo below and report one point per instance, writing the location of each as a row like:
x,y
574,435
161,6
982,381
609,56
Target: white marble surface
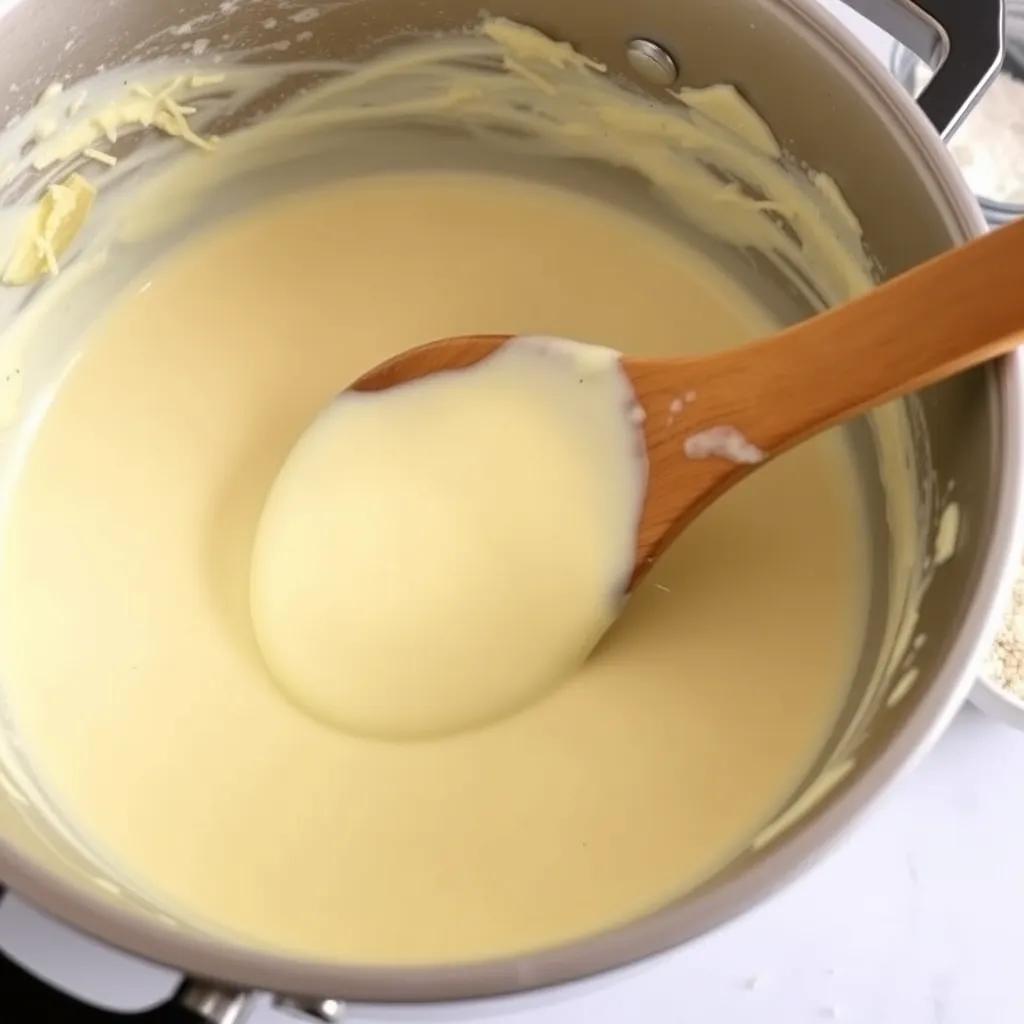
x,y
916,918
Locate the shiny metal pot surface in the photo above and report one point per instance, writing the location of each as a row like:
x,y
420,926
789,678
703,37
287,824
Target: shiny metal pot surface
x,y
830,104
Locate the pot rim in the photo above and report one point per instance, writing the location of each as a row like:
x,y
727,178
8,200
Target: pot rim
x,y
241,967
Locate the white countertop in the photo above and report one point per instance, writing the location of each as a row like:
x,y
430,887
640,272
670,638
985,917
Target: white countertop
x,y
916,918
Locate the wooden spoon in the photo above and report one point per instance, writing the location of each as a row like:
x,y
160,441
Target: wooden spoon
x,y
950,314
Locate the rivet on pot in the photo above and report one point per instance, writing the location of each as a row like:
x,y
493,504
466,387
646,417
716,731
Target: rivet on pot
x,y
327,1011
652,62
215,1005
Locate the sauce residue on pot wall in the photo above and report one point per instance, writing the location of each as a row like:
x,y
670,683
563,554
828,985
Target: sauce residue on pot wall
x,y
622,789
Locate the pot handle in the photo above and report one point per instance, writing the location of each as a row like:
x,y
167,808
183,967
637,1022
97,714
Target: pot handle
x,y
21,992
25,998
961,39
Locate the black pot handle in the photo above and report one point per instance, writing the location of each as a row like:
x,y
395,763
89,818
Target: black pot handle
x,y
961,39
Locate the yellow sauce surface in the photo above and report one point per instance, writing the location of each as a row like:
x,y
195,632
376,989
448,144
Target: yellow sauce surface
x,y
132,672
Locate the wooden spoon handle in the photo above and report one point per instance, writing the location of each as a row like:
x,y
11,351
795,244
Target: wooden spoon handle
x,y
946,316
778,392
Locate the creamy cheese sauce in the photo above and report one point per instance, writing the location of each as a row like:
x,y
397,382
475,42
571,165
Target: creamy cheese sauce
x,y
193,280
136,683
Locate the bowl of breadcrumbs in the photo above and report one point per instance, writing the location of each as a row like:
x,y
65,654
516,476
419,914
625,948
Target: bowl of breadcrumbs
x,y
1000,689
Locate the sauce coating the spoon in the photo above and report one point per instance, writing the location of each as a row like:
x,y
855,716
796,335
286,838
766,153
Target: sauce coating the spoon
x,y
436,555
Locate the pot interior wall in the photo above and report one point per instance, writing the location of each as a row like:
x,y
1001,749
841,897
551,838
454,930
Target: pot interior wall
x,y
771,51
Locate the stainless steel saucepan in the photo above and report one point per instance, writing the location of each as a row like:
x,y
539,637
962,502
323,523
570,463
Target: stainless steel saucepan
x,y
831,105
